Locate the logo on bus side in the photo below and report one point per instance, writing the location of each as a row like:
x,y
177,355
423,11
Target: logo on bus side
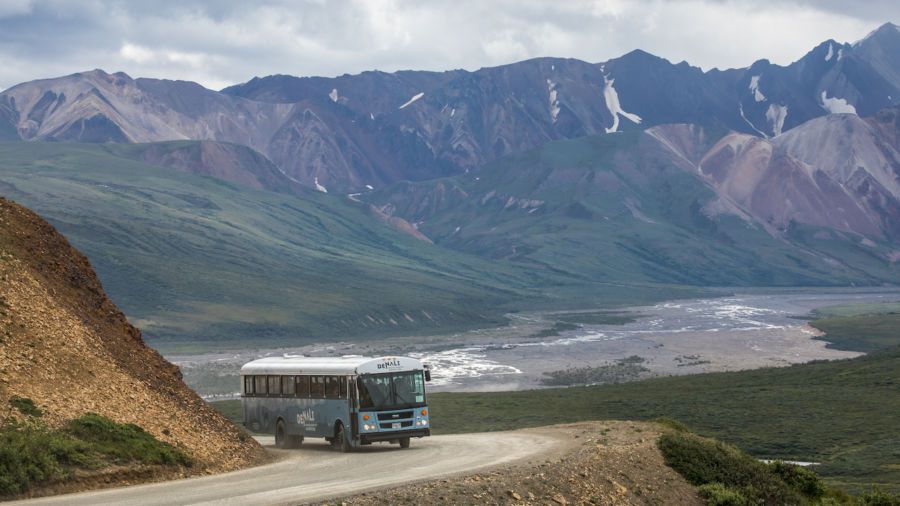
x,y
307,416
389,363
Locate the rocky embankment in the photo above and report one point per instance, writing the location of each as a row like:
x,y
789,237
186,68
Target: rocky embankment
x,y
609,463
65,346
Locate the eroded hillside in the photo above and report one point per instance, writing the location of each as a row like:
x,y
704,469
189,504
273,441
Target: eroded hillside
x,y
67,347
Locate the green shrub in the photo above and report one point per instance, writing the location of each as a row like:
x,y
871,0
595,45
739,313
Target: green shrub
x,y
31,453
705,461
125,443
800,479
25,406
717,494
878,498
672,424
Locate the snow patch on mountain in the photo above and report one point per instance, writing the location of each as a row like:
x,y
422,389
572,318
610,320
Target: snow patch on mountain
x,y
611,96
776,114
754,88
333,95
632,206
554,102
830,52
836,105
415,97
760,132
657,133
320,187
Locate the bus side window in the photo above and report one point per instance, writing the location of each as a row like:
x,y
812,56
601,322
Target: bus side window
x,y
317,387
274,385
302,390
332,387
287,386
343,380
248,385
259,388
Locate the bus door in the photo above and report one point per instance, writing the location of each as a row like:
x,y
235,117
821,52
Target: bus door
x,y
353,399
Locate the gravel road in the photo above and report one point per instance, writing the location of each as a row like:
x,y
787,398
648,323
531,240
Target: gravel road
x,y
316,472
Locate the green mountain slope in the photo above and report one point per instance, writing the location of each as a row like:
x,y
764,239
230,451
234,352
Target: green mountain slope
x,y
200,262
623,208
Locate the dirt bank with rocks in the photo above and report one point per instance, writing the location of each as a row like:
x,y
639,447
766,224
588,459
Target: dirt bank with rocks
x,y
67,347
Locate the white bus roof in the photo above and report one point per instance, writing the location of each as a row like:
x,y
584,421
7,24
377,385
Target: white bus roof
x,y
353,364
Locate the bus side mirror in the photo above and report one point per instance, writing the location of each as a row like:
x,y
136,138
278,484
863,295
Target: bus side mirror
x,y
427,373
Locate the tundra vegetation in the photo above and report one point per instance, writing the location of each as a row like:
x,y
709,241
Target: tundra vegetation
x,y
35,454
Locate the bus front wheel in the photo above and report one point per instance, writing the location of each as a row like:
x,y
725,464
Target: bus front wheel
x,y
404,442
340,441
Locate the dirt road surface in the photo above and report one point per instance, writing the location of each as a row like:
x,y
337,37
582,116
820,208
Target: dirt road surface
x,y
316,472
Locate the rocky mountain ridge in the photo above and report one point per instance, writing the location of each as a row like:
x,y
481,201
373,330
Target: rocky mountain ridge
x,y
816,202
351,132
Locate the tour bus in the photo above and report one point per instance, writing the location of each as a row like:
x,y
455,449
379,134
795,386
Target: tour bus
x,y
350,401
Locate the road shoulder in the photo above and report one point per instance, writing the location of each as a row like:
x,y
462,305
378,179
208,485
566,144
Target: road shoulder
x,y
601,463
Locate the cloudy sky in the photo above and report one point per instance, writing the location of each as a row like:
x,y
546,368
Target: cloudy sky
x,y
222,42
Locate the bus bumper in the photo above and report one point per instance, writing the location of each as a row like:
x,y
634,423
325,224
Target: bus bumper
x,y
396,434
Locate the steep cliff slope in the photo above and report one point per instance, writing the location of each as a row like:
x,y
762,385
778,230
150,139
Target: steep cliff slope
x,y
69,349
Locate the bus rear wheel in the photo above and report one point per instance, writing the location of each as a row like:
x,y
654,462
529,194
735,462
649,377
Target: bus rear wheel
x,y
340,441
282,440
404,442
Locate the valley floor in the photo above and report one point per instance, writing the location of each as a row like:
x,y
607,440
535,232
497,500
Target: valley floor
x,y
737,332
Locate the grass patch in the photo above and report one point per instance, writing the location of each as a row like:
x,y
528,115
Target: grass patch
x,y
860,332
626,369
555,330
125,443
727,476
31,454
734,477
25,406
231,409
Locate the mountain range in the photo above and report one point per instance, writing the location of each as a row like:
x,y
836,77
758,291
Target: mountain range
x,y
376,128
464,193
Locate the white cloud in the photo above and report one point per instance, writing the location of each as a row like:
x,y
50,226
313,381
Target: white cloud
x,y
136,54
14,7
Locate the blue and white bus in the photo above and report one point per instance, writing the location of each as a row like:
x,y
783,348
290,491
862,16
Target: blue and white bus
x,y
350,401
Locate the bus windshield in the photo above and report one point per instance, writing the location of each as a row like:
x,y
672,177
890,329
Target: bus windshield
x,y
391,390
